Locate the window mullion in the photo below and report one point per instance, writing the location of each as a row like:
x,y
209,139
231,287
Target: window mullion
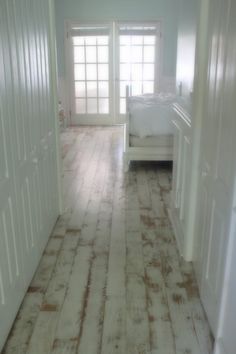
x,y
130,66
85,75
97,72
142,61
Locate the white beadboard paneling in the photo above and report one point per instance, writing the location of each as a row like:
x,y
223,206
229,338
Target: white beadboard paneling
x,y
28,155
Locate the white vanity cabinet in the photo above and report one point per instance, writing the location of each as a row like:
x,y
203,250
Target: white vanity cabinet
x,y
179,210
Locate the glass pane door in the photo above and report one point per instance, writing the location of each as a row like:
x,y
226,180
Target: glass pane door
x,y
137,61
91,91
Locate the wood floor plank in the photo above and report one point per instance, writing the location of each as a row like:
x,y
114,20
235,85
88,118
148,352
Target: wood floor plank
x,y
86,188
161,328
103,232
114,328
185,338
144,196
158,205
42,338
117,252
59,229
88,152
72,153
137,323
199,320
54,245
180,311
65,346
132,220
134,253
71,315
131,191
117,258
58,285
22,329
91,335
44,271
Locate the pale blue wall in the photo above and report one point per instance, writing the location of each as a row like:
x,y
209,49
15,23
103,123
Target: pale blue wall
x,y
134,10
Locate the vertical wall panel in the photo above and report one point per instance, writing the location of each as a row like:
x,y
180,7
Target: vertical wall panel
x,y
28,171
11,267
3,156
15,74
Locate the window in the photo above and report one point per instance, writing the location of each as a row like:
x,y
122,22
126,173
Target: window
x,y
91,69
137,60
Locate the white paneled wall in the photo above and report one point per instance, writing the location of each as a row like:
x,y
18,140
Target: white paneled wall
x,y
28,154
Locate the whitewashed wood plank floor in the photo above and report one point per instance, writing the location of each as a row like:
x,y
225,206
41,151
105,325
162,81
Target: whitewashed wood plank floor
x,y
111,279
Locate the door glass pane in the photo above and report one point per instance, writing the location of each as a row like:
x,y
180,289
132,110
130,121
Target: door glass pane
x,y
124,71
148,71
103,105
137,39
149,52
149,39
91,56
102,71
137,61
80,106
78,40
103,89
136,72
90,40
102,40
137,54
79,72
92,105
91,71
137,88
103,54
124,54
125,39
92,89
80,89
79,56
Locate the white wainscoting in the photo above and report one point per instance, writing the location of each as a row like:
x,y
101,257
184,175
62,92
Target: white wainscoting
x,y
28,153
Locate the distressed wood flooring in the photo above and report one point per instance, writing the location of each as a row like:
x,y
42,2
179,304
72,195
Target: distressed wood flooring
x,y
111,279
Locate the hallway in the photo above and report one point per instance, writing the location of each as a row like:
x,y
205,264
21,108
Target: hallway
x,y
111,279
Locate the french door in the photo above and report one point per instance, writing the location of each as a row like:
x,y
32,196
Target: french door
x,y
90,74
102,61
138,62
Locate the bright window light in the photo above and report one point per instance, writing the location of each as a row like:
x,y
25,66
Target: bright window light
x,y
137,57
91,71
